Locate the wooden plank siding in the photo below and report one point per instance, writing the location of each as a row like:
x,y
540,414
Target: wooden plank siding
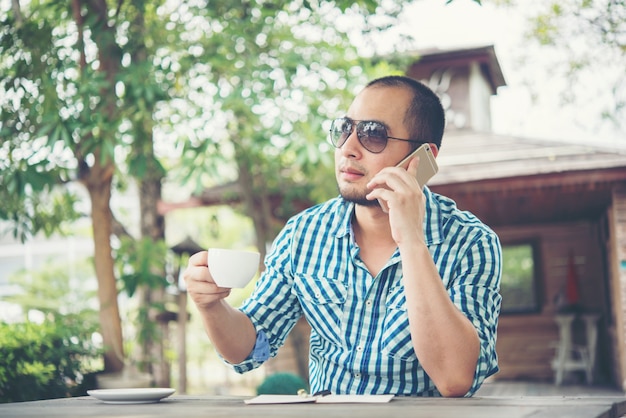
x,y
525,347
526,342
617,265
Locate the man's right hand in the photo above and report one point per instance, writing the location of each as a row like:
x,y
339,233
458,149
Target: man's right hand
x,y
200,285
230,330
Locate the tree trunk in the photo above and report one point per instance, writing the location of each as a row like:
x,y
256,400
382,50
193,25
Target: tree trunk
x,y
257,206
153,348
153,226
99,187
99,182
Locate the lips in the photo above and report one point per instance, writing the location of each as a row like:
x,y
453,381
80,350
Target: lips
x,y
350,173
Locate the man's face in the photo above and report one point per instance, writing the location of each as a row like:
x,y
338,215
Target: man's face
x,y
354,165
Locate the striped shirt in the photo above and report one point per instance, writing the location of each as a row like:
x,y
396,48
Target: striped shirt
x,y
360,340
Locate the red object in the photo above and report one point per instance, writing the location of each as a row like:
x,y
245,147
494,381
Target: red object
x,y
572,293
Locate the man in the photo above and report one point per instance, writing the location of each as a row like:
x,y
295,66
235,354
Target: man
x,y
400,301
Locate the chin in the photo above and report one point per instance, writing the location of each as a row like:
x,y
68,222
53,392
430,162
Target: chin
x,y
358,199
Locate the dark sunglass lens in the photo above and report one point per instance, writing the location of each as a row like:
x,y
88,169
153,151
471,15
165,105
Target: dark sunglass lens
x,y
340,131
372,135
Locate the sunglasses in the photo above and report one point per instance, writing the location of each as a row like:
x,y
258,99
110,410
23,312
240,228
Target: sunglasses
x,y
371,134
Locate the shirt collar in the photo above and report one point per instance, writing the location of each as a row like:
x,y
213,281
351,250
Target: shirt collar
x,y
433,218
343,221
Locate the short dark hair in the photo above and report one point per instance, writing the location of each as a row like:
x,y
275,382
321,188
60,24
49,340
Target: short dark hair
x,y
424,118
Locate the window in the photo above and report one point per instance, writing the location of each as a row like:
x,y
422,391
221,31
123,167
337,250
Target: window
x,y
519,279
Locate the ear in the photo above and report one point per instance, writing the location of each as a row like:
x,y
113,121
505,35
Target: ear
x,y
434,149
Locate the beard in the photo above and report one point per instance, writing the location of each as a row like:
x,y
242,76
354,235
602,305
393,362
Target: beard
x,y
358,198
351,191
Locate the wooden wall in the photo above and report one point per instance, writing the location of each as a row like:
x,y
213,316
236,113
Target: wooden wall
x,y
526,342
617,265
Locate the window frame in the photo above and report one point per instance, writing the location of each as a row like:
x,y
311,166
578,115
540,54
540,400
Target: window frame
x,y
536,285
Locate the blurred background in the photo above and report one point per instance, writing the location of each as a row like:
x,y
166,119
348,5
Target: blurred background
x,y
135,133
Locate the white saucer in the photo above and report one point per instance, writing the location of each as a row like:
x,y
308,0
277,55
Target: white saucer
x,y
133,395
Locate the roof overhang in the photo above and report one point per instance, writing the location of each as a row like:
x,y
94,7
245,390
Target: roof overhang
x,y
509,180
436,59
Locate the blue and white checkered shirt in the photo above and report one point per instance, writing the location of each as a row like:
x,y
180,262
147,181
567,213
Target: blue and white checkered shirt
x,y
360,340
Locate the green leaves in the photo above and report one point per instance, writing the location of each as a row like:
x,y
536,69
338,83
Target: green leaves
x,y
54,289
42,361
53,118
141,263
586,40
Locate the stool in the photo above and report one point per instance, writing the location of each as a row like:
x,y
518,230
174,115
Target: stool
x,y
573,357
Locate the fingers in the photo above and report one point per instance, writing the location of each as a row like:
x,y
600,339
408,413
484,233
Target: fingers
x,y
396,186
200,285
199,259
395,179
197,271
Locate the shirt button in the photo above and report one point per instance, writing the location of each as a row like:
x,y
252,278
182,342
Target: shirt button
x,y
359,348
368,302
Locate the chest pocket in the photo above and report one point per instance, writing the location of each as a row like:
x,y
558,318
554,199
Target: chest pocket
x,y
396,334
322,301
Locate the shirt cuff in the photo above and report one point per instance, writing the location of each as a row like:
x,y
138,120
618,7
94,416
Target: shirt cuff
x,y
261,351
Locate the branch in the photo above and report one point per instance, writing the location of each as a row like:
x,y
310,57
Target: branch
x,y
17,11
119,7
78,18
118,229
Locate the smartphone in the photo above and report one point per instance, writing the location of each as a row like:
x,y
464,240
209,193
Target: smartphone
x,y
428,165
425,170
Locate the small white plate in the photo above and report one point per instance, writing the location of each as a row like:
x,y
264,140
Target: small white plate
x,y
133,395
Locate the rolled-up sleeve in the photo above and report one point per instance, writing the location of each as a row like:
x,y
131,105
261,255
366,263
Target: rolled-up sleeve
x,y
475,290
273,307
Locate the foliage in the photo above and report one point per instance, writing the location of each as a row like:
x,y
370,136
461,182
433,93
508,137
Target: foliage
x,y
518,279
48,360
139,263
60,123
54,358
31,199
103,93
264,82
52,291
282,384
587,39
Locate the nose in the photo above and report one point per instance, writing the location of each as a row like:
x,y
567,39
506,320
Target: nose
x,y
352,147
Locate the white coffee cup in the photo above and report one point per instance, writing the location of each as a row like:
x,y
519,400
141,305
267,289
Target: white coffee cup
x,y
232,268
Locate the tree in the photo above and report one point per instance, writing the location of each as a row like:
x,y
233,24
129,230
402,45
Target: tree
x,y
263,83
60,123
55,357
587,40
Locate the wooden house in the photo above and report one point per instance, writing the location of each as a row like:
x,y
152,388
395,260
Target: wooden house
x,y
562,205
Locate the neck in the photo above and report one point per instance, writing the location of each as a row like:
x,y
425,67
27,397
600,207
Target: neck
x,y
372,234
372,224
